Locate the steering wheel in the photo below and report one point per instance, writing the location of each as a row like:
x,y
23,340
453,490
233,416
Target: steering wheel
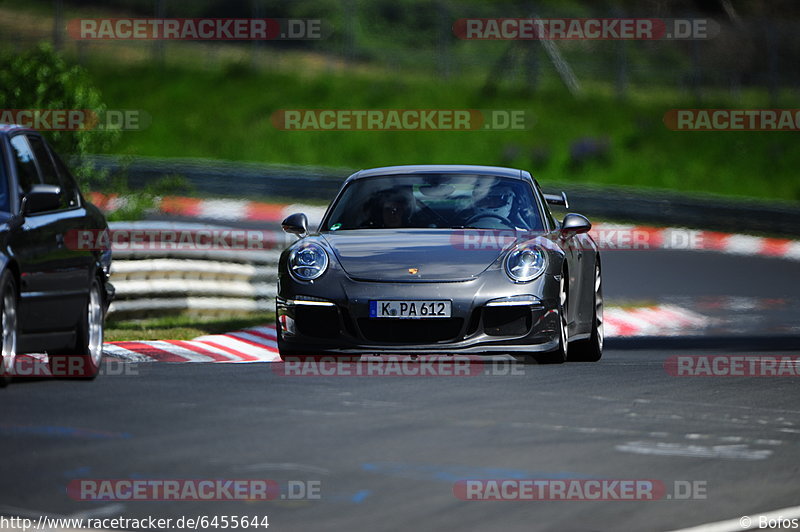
x,y
479,216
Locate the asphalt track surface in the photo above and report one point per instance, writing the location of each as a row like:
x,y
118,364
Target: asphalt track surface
x,y
388,450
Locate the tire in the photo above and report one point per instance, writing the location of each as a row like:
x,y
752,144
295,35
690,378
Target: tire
x,y
83,360
559,354
8,311
591,350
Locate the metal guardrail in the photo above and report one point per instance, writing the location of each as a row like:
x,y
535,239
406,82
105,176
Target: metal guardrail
x,y
222,178
707,212
615,203
167,278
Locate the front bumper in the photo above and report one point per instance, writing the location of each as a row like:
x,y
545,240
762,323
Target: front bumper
x,y
483,321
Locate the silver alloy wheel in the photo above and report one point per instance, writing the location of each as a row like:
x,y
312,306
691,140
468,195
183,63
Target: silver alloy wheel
x,y
598,307
9,320
562,311
95,325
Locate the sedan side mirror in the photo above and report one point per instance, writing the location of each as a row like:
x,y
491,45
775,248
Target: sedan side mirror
x,y
574,224
295,224
41,198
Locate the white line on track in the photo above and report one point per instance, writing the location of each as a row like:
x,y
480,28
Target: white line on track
x,y
745,522
725,452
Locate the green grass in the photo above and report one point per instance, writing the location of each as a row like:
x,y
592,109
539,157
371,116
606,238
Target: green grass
x,y
209,101
225,114
181,327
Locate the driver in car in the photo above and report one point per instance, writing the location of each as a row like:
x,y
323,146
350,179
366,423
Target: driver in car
x,y
495,208
390,209
394,213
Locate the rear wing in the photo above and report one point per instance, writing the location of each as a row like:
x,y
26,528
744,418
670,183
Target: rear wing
x,y
557,199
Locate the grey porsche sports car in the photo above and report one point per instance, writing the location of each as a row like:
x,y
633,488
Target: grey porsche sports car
x,y
441,259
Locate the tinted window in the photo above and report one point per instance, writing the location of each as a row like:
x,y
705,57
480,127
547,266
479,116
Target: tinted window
x,y
46,167
435,201
69,189
26,166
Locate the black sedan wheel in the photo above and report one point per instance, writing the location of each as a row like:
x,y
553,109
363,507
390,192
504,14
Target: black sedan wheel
x,y
8,289
83,361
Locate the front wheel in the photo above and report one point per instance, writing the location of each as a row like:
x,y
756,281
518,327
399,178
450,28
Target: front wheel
x,y
559,354
83,361
8,300
591,350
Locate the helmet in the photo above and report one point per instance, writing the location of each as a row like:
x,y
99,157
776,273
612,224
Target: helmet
x,y
498,201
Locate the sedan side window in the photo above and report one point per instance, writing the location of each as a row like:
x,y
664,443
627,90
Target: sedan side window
x,y
49,175
46,166
25,164
68,184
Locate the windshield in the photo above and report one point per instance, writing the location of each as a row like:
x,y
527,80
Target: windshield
x,y
437,201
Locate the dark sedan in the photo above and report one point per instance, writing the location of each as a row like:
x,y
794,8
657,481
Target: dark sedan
x,y
441,259
53,296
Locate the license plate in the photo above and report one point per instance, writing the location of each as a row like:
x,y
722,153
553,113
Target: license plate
x,y
409,309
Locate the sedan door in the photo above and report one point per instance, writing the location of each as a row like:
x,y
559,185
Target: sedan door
x,y
49,298
75,266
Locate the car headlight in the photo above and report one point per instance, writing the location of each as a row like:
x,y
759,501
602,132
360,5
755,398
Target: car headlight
x,y
526,263
308,261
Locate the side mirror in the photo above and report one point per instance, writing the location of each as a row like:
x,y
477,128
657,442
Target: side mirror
x,y
41,198
295,224
574,224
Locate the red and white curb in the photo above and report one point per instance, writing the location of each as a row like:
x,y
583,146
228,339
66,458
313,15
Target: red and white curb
x,y
608,236
635,237
219,209
659,320
259,343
